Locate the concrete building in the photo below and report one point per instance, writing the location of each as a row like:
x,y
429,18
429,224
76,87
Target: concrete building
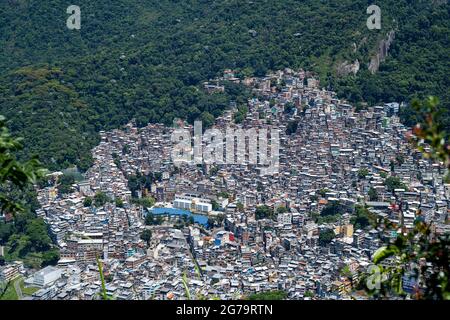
x,y
46,276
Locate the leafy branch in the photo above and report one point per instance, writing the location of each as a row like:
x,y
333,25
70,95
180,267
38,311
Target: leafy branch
x,y
429,133
420,254
12,172
103,293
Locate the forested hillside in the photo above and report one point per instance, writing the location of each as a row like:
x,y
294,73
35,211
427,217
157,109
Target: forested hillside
x,y
147,59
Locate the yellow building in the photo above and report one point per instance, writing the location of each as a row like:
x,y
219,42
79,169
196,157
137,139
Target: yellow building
x,y
347,230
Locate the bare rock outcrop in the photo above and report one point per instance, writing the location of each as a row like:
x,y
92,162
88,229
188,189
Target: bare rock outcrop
x,y
383,50
345,68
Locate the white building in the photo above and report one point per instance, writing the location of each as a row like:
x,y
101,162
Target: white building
x,y
189,202
8,273
46,276
284,218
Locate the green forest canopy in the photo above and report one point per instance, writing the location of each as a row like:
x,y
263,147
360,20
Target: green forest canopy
x,y
147,60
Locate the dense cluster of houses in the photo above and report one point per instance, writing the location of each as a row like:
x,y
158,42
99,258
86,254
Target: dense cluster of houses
x,y
329,153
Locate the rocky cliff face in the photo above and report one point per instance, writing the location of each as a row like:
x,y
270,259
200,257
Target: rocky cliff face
x,y
345,68
383,50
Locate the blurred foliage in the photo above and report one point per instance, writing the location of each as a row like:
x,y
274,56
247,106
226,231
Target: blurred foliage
x,y
420,255
103,293
429,136
23,234
14,175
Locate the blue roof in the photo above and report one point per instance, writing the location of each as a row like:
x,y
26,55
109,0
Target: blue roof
x,y
198,218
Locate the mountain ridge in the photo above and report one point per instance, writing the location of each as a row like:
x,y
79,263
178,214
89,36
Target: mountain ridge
x,y
147,60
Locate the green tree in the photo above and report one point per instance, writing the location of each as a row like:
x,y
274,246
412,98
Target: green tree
x,y
125,149
259,186
345,271
291,127
50,257
65,183
36,230
326,236
414,255
323,192
400,159
215,205
282,210
362,173
240,115
223,194
134,184
263,212
146,236
6,230
373,194
87,202
211,222
119,203
269,295
26,233
289,107
393,183
207,119
100,199
149,219
333,208
363,218
147,202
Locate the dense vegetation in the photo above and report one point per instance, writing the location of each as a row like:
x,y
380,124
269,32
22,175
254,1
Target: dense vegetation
x,y
139,183
151,220
146,235
23,235
27,238
263,212
393,183
268,295
363,218
326,236
334,207
147,60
